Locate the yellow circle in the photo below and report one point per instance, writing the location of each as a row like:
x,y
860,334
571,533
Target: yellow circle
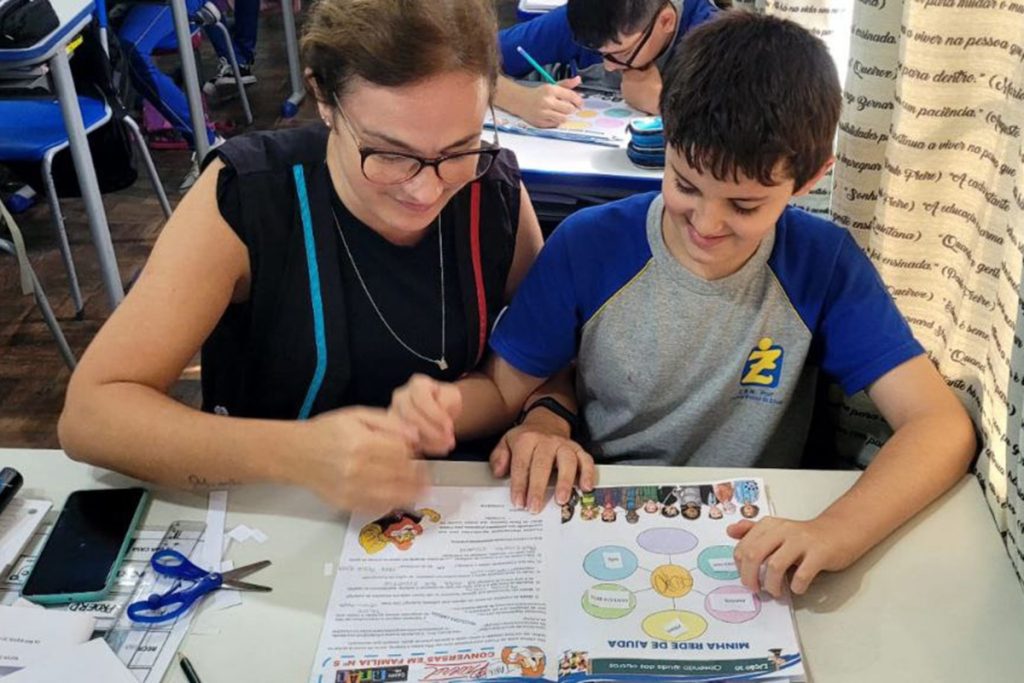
x,y
586,113
573,125
675,625
671,581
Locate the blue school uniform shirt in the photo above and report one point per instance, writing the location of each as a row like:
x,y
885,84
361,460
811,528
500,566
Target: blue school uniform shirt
x,y
673,369
549,39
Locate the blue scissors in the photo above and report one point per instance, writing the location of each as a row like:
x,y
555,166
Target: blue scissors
x,y
160,607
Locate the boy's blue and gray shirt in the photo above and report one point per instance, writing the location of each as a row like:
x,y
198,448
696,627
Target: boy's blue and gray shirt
x,y
549,39
676,370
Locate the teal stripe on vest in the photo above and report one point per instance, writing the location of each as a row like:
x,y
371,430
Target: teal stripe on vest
x,y
314,294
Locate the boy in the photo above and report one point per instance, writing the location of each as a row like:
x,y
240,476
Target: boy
x,y
632,39
697,316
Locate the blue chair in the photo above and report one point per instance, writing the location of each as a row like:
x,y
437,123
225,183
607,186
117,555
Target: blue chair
x,y
32,130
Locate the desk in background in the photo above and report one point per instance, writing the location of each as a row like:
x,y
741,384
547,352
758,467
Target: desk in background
x,y
74,15
938,602
528,9
563,176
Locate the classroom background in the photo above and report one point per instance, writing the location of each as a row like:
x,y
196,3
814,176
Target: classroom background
x,y
927,180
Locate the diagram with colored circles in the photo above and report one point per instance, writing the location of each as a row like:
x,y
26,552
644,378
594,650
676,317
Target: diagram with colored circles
x,y
695,585
600,114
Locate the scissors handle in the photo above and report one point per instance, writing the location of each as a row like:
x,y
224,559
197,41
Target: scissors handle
x,y
160,607
172,563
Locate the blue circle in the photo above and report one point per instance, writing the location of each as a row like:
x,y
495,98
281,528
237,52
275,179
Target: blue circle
x,y
610,563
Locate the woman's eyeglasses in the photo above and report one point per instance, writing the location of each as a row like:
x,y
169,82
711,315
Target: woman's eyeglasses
x,y
393,168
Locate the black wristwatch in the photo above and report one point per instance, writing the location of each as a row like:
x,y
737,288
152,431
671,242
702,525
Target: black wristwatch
x,y
555,407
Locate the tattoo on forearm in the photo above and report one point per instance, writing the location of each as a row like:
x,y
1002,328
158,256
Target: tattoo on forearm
x,y
199,483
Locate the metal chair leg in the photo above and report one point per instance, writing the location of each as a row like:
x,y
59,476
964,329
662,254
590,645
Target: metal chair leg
x,y
154,177
44,308
234,69
62,235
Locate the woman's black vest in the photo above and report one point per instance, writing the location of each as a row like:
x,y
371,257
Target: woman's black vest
x,y
284,352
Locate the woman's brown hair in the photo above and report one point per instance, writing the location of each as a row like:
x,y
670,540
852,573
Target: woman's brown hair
x,y
397,42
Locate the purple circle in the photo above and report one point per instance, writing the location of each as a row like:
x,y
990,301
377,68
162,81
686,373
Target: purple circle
x,y
747,604
667,541
608,123
597,104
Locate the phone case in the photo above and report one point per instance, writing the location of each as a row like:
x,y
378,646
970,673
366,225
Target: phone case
x,y
91,596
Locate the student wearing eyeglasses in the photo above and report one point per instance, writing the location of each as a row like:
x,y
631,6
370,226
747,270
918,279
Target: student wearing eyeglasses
x,y
318,268
609,45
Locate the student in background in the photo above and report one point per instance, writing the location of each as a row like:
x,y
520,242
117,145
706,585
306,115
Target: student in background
x,y
611,44
243,37
699,316
147,27
317,268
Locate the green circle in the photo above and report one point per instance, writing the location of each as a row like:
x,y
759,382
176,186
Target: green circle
x,y
713,559
608,601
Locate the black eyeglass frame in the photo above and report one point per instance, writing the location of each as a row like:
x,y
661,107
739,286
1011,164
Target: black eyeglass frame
x,y
487,149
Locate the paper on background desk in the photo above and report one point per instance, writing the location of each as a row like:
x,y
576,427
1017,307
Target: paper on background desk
x,y
602,120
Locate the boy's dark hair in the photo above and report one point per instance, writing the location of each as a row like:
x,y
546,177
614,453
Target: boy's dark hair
x,y
597,22
746,91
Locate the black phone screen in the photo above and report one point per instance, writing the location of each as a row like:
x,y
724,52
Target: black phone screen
x,y
85,542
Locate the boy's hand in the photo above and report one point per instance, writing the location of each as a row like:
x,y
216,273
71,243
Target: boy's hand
x,y
529,451
641,88
431,408
782,544
359,459
548,106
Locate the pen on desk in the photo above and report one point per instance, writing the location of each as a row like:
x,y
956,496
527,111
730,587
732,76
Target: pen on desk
x,y
190,673
533,62
10,482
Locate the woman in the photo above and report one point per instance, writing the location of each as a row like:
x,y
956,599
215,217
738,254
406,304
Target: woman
x,y
319,268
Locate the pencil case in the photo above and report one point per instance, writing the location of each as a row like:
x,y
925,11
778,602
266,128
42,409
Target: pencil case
x,y
646,158
647,132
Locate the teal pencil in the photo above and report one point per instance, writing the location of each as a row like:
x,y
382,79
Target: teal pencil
x,y
533,62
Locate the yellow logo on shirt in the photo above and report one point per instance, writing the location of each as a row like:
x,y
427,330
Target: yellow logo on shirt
x,y
764,364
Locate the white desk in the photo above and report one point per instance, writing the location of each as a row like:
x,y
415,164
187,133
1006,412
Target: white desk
x,y
938,602
74,15
577,168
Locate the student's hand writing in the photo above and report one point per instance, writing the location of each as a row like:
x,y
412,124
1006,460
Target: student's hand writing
x,y
360,459
806,547
548,106
641,88
431,408
529,451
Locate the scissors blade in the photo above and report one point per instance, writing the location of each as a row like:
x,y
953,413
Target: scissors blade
x,y
244,570
245,586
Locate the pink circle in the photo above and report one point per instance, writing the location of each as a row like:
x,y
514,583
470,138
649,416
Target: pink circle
x,y
608,123
732,604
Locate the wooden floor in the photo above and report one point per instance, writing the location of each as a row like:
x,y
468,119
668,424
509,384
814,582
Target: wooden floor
x,y
32,375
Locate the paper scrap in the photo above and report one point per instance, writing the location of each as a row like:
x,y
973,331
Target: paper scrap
x,y
91,662
213,545
18,522
733,602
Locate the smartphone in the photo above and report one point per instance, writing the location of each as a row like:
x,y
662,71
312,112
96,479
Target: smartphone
x,y
84,551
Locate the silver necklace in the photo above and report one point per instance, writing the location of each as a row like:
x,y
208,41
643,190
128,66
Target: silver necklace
x,y
441,362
